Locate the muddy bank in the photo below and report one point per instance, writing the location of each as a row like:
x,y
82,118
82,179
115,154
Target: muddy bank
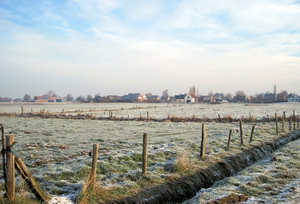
x,y
183,188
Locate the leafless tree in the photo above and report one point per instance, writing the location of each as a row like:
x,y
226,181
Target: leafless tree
x,y
165,95
228,96
51,94
69,97
148,95
240,93
282,95
258,96
27,97
193,89
89,97
5,99
80,98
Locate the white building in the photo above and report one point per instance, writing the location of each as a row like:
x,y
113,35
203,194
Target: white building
x,y
190,98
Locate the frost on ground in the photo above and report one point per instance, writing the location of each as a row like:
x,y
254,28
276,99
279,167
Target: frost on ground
x,y
57,151
160,110
274,179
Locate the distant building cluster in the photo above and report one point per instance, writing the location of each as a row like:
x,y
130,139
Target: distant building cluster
x,y
191,97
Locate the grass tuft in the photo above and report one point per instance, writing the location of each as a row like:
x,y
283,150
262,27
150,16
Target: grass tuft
x,y
182,165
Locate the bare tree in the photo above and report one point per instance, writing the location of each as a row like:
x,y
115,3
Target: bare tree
x,y
27,97
240,93
148,95
282,95
228,96
80,98
51,94
258,96
193,90
69,97
165,95
89,97
5,99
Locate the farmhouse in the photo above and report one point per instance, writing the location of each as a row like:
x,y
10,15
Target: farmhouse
x,y
207,99
293,99
132,97
190,98
40,99
113,98
17,100
242,99
154,99
270,97
45,99
179,98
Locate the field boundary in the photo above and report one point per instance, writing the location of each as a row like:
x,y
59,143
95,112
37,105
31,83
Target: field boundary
x,y
186,187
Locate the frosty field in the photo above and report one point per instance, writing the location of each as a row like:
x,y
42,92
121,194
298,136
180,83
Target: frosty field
x,y
57,151
159,110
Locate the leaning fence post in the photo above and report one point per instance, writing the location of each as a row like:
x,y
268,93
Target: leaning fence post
x,y
252,132
202,154
10,169
145,141
33,185
276,119
241,131
229,138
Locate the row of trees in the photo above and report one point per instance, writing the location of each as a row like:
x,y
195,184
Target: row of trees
x,y
281,96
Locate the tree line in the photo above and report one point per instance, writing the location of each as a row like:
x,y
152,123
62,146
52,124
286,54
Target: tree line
x,y
27,98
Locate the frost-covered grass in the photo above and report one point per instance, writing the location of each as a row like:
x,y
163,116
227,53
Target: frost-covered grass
x,y
275,179
57,151
161,110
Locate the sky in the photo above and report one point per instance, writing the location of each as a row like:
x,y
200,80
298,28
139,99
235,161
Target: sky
x,y
82,47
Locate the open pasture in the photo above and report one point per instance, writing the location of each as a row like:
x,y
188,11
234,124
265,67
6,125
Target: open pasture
x,y
57,151
158,110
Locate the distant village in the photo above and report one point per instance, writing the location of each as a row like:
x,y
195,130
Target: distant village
x,y
191,97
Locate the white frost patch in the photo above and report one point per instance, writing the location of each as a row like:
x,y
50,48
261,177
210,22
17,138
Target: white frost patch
x,y
62,199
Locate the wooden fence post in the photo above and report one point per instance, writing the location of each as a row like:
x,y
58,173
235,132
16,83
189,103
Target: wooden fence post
x,y
241,131
294,119
276,120
92,177
33,185
290,123
202,153
10,169
229,138
298,121
145,141
22,110
283,120
252,132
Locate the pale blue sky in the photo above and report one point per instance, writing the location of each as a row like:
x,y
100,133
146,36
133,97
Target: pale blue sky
x,y
116,47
